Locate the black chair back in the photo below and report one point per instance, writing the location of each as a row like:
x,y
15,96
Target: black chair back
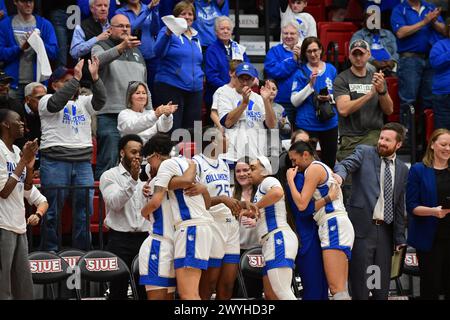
x,y
47,267
103,266
250,266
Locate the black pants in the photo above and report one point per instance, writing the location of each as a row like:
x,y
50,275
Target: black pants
x,y
126,246
189,104
434,268
328,145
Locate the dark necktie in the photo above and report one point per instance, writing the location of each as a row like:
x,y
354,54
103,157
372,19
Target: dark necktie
x,y
388,194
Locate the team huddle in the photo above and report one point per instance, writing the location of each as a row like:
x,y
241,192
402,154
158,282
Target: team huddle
x,y
193,244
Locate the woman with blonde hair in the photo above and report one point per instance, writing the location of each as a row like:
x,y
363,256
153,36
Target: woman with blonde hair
x,y
428,207
139,117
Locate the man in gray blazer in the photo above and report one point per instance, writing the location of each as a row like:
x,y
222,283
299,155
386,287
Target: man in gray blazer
x,y
376,209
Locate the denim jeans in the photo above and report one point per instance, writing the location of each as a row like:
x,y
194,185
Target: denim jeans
x,y
65,173
108,143
58,19
415,77
441,110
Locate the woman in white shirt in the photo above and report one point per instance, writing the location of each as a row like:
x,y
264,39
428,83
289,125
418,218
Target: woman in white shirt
x,y
139,117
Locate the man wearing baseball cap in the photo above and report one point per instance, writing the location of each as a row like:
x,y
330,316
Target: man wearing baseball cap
x,y
244,114
66,148
362,100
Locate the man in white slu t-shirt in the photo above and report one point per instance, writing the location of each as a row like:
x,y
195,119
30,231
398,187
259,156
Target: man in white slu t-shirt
x,y
245,115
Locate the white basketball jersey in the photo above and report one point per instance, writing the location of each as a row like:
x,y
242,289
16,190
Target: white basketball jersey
x,y
215,175
330,209
184,208
271,217
162,218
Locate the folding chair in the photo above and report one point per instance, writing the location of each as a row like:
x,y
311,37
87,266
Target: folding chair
x,y
250,265
103,266
411,267
71,256
135,276
48,269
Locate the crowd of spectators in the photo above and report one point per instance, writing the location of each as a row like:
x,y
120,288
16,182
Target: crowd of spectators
x,y
123,75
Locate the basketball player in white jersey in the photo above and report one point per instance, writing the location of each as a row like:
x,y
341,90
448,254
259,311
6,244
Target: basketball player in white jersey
x,y
224,257
156,256
191,220
279,242
335,228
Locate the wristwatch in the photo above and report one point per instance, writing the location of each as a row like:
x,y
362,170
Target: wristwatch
x,y
382,93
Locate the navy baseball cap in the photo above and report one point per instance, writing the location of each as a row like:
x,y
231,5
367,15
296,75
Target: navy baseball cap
x,y
246,68
59,73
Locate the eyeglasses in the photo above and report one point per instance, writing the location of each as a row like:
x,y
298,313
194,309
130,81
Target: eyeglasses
x,y
121,26
312,51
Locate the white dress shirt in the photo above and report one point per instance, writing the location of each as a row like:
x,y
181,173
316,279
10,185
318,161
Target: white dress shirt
x,y
378,211
124,201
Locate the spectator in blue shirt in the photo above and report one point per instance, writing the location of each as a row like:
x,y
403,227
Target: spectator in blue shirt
x,y
440,62
417,25
314,76
218,57
85,7
180,76
145,24
18,57
383,47
282,61
93,29
206,12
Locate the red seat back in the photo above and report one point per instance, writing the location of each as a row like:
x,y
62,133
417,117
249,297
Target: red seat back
x,y
392,86
317,10
338,32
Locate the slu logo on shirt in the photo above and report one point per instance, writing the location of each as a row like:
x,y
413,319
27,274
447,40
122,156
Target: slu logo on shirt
x,y
71,118
251,115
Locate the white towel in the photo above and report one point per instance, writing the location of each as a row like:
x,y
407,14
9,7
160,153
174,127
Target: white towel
x,y
44,70
177,25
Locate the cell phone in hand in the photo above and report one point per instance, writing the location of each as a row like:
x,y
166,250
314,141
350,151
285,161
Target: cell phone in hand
x,y
323,92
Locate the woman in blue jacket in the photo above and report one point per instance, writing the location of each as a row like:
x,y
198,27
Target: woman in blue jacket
x,y
218,57
144,20
427,194
314,76
180,76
